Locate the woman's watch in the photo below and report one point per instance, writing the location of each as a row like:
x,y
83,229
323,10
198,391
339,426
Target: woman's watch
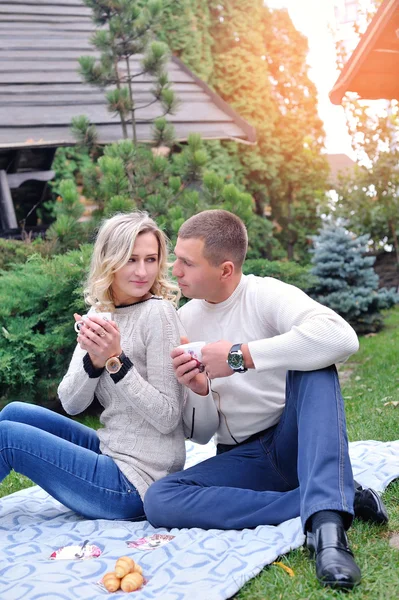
x,y
115,363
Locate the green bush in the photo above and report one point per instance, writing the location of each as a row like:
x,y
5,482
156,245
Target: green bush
x,y
37,302
69,163
130,176
14,252
289,272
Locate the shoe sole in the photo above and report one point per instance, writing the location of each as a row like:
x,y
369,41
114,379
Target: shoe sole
x,y
338,586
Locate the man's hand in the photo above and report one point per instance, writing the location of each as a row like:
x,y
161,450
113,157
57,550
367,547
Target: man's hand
x,y
186,371
214,359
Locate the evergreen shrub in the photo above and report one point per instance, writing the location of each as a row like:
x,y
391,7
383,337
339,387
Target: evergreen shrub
x,y
37,302
14,252
287,271
69,163
347,282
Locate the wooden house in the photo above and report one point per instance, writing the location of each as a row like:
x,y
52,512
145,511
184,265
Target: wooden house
x,y
41,91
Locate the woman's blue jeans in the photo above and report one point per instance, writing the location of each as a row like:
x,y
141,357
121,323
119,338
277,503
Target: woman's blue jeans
x,y
298,467
64,458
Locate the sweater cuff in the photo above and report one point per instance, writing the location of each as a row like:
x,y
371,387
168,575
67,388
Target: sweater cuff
x,y
126,366
92,371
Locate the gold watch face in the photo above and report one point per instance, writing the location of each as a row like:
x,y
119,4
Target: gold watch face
x,y
113,365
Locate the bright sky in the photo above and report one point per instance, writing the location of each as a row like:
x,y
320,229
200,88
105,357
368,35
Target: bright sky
x,y
312,18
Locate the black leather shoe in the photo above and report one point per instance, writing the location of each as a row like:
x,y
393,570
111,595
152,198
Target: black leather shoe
x,y
335,565
369,506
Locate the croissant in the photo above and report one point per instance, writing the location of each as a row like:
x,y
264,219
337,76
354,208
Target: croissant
x,y
132,582
137,569
123,566
111,582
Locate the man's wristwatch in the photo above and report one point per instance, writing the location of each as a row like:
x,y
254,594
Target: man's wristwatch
x,y
235,359
115,363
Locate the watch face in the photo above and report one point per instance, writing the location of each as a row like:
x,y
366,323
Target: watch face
x,y
113,364
236,360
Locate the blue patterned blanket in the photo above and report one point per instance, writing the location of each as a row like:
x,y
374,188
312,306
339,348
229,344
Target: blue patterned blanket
x,y
190,564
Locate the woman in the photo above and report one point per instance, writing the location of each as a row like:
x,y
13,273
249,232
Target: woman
x,y
124,362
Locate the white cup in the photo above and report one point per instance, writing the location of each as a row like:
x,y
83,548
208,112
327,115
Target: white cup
x,y
107,316
194,349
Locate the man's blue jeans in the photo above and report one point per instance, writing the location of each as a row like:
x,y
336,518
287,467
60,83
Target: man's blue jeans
x,y
298,467
63,457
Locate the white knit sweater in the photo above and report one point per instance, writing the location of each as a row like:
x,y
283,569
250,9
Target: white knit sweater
x,y
142,426
285,330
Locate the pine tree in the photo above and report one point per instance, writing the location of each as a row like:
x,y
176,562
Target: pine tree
x,y
127,28
131,177
347,282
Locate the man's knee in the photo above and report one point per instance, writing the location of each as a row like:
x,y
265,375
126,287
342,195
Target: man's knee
x,y
303,381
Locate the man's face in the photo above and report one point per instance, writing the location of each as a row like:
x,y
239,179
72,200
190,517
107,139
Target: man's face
x,y
196,277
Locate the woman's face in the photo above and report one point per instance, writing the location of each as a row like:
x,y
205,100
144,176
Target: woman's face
x,y
134,280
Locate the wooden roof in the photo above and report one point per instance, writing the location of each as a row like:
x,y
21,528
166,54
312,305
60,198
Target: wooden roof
x,y
340,164
373,69
41,90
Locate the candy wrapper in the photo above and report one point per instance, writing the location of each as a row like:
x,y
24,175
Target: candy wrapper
x,y
151,542
77,552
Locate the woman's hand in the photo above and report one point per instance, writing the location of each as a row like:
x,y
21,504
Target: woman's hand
x,y
100,338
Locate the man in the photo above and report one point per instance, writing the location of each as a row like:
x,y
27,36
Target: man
x,y
271,394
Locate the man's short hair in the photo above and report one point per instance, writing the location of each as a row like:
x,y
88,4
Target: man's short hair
x,y
224,234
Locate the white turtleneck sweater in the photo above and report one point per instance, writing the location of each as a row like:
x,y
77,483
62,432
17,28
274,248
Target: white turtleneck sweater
x,y
141,422
284,329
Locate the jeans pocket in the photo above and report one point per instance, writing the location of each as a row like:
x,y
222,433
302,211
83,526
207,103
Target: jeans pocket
x,y
126,486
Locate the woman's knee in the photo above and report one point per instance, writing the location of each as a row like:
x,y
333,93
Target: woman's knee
x,y
13,411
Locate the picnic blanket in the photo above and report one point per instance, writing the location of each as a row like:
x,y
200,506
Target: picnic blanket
x,y
190,564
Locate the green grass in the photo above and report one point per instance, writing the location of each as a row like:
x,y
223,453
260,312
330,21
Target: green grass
x,y
13,483
369,380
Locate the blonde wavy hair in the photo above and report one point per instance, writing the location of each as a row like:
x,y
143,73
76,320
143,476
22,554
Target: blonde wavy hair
x,y
112,250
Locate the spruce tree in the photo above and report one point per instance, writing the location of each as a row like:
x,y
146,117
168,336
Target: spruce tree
x,y
347,282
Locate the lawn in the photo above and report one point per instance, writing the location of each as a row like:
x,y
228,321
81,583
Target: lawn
x,y
370,383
